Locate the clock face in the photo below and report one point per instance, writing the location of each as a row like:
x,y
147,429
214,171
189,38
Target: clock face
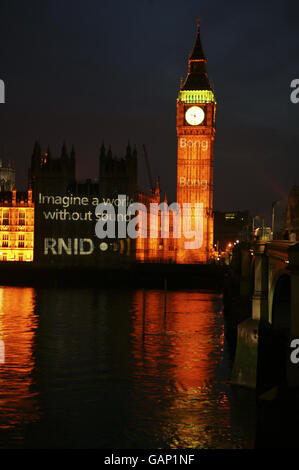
x,y
195,115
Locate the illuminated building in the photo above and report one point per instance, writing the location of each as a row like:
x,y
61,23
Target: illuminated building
x,y
196,112
151,248
147,248
17,226
63,236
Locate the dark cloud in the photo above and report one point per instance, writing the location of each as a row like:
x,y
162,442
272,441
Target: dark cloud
x,y
88,71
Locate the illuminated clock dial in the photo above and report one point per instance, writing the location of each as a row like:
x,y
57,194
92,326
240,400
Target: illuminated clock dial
x,y
195,115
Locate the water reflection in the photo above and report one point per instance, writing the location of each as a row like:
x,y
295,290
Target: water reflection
x,y
89,368
179,370
18,405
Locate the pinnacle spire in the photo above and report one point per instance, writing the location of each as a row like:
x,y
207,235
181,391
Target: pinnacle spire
x,y
109,155
198,53
64,154
157,188
102,151
36,151
197,78
129,151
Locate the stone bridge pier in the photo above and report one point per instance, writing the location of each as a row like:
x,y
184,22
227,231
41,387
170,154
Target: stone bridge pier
x,y
262,358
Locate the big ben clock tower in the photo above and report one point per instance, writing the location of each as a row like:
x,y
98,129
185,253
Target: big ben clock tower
x,y
196,110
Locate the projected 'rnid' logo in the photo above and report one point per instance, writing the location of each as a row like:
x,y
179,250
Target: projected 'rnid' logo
x,y
2,92
2,352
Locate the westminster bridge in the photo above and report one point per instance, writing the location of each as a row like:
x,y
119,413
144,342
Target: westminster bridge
x,y
269,273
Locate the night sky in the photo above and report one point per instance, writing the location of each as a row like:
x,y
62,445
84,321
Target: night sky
x,y
92,71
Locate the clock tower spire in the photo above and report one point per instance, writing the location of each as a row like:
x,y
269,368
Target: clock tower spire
x,y
197,77
196,111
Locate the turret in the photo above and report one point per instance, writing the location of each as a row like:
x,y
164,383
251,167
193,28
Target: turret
x,y
102,152
73,154
64,153
36,155
157,189
197,86
129,152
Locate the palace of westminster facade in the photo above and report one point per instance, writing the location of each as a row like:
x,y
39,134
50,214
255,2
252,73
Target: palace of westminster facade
x,y
25,224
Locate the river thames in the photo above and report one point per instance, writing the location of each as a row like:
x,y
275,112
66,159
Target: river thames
x,y
89,368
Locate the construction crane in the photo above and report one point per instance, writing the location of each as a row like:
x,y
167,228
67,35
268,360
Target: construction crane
x,y
148,168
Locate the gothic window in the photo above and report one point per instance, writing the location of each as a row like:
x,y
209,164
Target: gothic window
x,y
5,240
21,243
22,218
5,218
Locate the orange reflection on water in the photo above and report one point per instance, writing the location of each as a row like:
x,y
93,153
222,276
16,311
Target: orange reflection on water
x,y
178,353
17,326
185,331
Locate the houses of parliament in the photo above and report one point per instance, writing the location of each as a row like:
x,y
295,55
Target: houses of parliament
x,y
28,232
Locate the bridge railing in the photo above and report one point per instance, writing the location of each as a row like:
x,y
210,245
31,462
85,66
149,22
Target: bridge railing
x,y
279,249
